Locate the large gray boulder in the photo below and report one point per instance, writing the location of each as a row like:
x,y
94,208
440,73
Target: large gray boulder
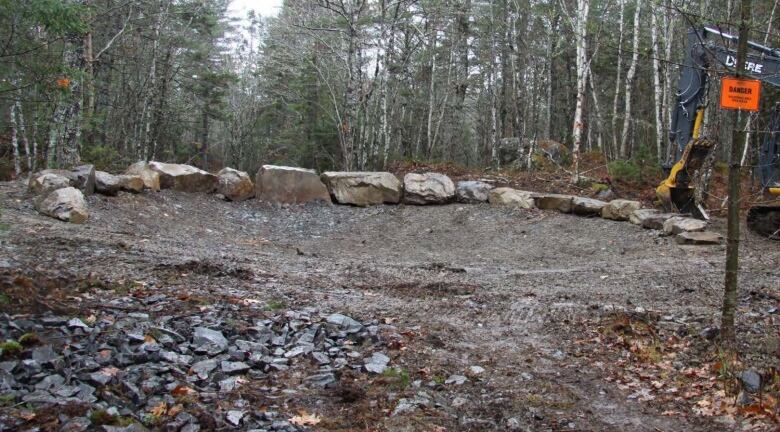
x,y
363,188
66,204
650,218
150,177
587,206
428,188
511,197
43,183
680,224
620,209
184,178
290,185
637,217
81,177
131,183
106,184
545,201
472,192
235,185
699,238
109,184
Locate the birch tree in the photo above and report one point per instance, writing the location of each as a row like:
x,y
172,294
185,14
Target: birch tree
x,y
630,75
581,35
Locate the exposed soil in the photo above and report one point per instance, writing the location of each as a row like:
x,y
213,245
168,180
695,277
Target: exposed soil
x,y
530,296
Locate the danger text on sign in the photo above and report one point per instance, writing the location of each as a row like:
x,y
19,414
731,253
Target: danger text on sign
x,y
740,94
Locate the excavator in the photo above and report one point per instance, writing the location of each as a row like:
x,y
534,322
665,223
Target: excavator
x,y
708,49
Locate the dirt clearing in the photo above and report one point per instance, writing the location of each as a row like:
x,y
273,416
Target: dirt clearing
x,y
506,319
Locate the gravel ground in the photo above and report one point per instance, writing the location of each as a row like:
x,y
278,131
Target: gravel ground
x,y
492,304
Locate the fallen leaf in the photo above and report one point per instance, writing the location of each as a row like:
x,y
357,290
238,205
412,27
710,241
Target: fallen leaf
x,y
159,410
305,419
175,410
182,390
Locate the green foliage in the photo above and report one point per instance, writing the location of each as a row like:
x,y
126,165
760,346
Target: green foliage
x,y
643,166
57,17
103,157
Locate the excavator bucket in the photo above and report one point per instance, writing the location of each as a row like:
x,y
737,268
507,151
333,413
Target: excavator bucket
x,y
683,201
675,192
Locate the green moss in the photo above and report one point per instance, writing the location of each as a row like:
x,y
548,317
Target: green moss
x,y
599,187
10,347
102,417
398,377
274,305
4,299
7,399
29,339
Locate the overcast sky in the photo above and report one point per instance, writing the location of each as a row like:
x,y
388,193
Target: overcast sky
x,y
262,7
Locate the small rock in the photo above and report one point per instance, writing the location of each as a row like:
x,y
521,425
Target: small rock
x,y
234,417
710,333
100,378
203,368
205,335
78,323
321,380
234,367
377,363
44,354
476,370
751,381
456,379
459,402
345,323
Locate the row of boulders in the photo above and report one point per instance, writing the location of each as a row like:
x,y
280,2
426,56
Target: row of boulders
x,y
60,195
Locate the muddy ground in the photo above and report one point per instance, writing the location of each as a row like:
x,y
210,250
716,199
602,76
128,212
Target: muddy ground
x,y
530,296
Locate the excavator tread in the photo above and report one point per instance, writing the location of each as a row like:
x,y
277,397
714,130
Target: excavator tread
x,y
765,220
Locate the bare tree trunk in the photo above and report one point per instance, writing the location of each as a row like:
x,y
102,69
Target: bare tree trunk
x,y
657,86
548,65
14,141
581,34
630,83
732,237
751,116
23,134
667,111
431,94
618,72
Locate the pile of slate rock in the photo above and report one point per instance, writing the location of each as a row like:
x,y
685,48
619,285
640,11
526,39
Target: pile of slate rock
x,y
127,370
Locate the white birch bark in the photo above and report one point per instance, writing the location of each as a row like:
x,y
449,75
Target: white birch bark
x,y
15,141
630,75
581,35
618,73
657,86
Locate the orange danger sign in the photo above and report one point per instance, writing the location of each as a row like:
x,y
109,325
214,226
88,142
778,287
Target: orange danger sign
x,y
740,94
